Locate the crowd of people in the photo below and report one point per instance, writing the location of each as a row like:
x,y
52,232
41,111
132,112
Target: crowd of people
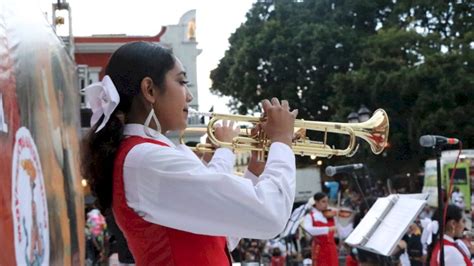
x,y
320,239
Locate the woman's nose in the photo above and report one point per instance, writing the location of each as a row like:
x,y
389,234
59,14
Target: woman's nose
x,y
189,95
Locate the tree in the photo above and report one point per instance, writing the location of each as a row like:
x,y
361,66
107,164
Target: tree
x,y
290,50
412,58
420,71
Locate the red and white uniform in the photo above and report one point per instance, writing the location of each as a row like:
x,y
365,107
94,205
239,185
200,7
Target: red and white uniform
x,y
169,204
324,249
453,255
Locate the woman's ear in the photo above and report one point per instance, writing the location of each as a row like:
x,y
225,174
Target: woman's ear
x,y
146,87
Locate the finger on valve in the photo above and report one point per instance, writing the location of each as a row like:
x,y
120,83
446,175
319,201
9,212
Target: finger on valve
x,y
279,123
226,132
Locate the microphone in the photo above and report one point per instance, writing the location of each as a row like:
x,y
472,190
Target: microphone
x,y
434,140
333,170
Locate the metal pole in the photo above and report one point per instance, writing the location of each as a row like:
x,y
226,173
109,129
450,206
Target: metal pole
x,y
440,207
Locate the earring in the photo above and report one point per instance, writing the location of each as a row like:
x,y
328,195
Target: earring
x,y
450,230
148,121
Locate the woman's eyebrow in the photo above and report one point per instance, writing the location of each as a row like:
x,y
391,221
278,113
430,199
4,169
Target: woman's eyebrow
x,y
182,73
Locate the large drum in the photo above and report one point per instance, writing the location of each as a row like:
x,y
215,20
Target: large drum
x,y
41,202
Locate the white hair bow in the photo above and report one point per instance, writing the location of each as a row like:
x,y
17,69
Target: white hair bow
x,y
103,98
429,228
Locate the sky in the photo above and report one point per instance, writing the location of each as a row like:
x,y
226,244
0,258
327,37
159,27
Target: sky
x,y
216,20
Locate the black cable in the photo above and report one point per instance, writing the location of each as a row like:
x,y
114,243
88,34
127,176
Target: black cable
x,y
354,175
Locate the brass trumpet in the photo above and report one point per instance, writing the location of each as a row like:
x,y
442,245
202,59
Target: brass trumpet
x,y
374,131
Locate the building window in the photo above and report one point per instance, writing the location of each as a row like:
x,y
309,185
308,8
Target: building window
x,y
83,77
87,75
94,74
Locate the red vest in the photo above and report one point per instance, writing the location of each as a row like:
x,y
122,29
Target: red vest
x,y
351,261
435,253
324,247
278,261
153,244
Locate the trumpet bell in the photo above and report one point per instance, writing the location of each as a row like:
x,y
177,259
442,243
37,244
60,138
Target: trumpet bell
x,y
375,131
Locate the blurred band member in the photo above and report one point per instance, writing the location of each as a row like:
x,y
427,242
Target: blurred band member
x,y
322,227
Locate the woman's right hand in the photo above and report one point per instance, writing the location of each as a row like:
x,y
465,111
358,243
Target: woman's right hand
x,y
227,131
280,122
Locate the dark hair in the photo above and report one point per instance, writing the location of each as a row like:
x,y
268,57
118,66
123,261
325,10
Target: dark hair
x,y
319,196
453,212
276,252
127,67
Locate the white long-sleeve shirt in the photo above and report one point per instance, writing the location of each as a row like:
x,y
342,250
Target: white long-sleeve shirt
x,y
315,230
170,186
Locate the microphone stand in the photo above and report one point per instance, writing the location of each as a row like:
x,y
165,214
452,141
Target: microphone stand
x,y
380,258
440,205
368,180
356,178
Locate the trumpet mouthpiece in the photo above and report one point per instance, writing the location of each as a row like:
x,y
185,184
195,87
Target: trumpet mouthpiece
x,y
195,112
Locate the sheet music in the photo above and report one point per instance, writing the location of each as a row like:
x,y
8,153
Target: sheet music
x,y
370,220
420,196
393,226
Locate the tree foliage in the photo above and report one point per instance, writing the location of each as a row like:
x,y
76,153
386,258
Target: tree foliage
x,y
287,49
327,57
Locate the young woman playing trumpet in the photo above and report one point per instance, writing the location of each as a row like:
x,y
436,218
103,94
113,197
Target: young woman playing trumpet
x,y
173,209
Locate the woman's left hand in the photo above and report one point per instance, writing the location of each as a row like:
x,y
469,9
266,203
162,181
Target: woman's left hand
x,y
207,156
256,166
257,163
227,131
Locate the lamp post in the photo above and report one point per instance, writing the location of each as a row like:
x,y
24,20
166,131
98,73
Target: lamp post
x,y
353,117
362,115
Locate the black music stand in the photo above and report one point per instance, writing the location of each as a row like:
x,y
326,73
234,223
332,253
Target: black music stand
x,y
437,150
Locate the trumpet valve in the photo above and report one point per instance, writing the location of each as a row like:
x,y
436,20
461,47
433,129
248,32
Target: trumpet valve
x,y
299,133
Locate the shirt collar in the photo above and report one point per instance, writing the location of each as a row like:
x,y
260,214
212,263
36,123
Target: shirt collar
x,y
139,130
450,239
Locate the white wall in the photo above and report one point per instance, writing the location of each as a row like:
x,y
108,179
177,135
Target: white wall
x,y
176,37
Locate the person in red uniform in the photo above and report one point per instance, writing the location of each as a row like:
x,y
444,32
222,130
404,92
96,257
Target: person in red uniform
x,y
453,228
171,207
322,227
278,259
